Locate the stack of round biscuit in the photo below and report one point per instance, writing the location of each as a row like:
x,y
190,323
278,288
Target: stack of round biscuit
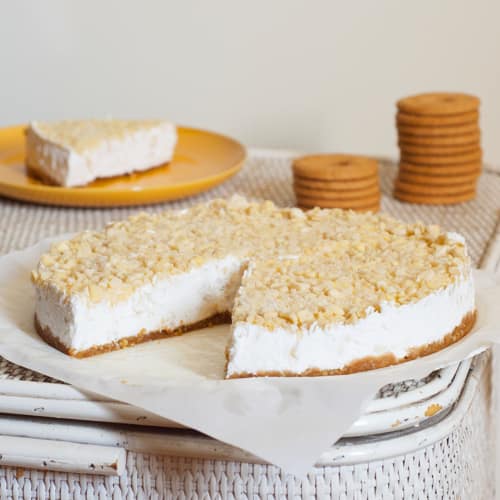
x,y
337,181
439,139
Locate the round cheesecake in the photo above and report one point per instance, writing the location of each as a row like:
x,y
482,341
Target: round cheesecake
x,y
308,293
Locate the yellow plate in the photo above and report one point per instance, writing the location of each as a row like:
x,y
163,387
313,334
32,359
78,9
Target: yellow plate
x,y
202,160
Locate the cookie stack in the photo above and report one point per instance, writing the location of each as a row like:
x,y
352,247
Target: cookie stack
x,y
439,139
337,181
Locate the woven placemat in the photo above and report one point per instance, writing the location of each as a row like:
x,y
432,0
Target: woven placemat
x,y
265,175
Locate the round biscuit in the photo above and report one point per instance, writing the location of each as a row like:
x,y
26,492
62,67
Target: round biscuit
x,y
442,170
368,208
323,194
339,185
439,103
455,149
434,190
437,180
434,200
336,203
475,156
428,131
441,140
335,167
436,120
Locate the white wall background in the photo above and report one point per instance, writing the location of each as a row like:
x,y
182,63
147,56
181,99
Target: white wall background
x,y
310,75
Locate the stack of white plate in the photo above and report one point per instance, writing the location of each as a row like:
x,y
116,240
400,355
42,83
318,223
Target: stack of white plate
x,y
37,408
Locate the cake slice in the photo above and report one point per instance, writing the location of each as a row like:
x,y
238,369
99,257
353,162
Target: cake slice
x,y
75,153
140,279
352,308
317,292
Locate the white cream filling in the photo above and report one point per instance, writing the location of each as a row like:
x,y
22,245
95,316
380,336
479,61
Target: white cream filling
x,y
395,329
165,304
137,151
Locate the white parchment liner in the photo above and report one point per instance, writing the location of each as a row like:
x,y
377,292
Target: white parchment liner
x,y
286,421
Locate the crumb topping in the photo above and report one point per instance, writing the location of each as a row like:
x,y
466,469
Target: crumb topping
x,y
318,266
346,280
81,135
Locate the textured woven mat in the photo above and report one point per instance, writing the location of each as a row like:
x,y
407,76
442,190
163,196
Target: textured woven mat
x,y
265,175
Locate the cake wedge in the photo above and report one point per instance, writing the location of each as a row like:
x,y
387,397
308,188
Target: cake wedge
x,y
351,308
77,152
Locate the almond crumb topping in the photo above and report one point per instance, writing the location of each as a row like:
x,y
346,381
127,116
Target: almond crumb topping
x,y
81,135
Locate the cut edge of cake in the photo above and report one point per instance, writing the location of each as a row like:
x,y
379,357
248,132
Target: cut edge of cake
x,y
393,335
169,307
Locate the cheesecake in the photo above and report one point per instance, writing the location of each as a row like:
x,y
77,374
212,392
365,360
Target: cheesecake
x,y
75,153
307,293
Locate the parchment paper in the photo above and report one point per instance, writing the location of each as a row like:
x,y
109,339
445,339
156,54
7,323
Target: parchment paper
x,y
285,421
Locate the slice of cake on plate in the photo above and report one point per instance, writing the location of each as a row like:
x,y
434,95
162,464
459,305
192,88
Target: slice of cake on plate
x,y
322,292
360,305
75,153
